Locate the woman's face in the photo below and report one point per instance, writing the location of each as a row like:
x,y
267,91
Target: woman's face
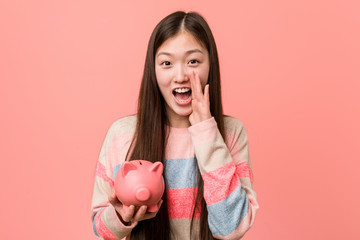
x,y
175,59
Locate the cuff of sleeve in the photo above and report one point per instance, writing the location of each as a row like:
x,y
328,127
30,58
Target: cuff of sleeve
x,y
204,131
114,224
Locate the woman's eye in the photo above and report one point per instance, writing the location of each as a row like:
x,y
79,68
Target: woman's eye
x,y
194,61
166,63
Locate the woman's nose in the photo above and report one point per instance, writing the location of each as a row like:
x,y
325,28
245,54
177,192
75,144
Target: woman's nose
x,y
181,74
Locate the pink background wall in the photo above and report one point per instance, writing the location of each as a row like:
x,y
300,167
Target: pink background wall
x,y
290,71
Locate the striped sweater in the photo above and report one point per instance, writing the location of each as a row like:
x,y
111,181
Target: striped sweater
x,y
224,166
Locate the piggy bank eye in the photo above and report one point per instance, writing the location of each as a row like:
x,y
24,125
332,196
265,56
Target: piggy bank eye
x,y
140,163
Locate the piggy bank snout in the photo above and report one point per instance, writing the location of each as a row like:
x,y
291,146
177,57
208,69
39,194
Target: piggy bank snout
x,y
143,194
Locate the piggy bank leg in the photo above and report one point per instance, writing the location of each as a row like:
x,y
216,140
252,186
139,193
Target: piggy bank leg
x,y
153,208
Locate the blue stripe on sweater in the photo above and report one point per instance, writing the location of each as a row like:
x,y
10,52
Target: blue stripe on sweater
x,y
94,223
225,216
115,170
181,173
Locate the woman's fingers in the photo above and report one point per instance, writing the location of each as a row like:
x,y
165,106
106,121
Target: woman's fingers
x,y
131,214
193,87
199,90
113,198
139,215
160,203
196,89
142,213
200,100
128,213
206,93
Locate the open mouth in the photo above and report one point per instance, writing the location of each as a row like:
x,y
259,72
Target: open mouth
x,y
182,95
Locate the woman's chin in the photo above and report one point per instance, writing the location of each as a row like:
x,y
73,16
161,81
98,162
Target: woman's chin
x,y
181,112
184,112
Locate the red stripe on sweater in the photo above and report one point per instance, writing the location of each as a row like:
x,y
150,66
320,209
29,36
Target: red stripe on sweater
x,y
181,203
243,170
220,183
101,172
102,230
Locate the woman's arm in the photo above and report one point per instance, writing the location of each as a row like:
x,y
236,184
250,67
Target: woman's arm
x,y
106,223
226,171
110,219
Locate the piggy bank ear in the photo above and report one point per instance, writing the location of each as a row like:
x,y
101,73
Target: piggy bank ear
x,y
157,167
127,167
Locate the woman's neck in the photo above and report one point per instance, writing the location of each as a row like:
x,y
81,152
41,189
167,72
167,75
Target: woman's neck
x,y
179,121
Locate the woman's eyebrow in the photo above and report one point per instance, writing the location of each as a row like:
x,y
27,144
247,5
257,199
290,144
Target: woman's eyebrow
x,y
194,51
187,52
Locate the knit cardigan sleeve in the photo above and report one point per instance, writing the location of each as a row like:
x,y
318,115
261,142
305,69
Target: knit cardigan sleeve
x,y
226,170
106,224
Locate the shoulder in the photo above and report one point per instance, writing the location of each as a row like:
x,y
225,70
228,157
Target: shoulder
x,y
123,125
234,131
232,124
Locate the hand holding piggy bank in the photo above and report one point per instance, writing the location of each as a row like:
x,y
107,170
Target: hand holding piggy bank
x,y
140,182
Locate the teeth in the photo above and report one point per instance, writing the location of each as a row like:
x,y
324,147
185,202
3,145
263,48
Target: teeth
x,y
182,90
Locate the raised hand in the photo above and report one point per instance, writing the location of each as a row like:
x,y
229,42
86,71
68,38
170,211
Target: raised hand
x,y
132,215
200,101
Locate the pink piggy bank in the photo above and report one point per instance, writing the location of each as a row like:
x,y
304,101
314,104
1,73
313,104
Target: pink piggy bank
x,y
140,182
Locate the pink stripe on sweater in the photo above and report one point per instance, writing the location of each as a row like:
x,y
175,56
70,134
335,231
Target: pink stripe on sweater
x,y
102,230
181,203
220,183
204,132
117,148
243,170
101,172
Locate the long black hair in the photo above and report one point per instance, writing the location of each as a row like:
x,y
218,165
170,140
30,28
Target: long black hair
x,y
151,133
